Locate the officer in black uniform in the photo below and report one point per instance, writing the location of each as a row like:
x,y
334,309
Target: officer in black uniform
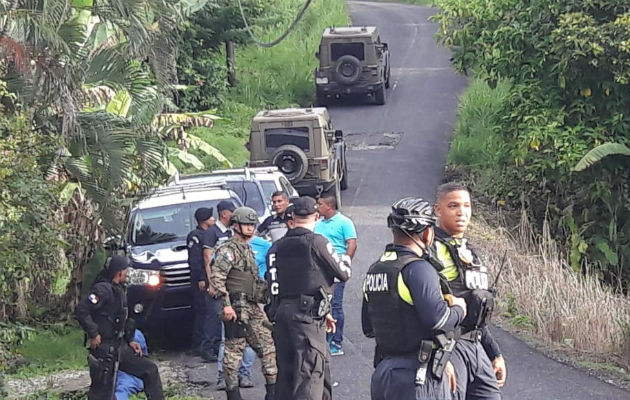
x,y
478,362
103,316
302,267
404,310
276,226
206,333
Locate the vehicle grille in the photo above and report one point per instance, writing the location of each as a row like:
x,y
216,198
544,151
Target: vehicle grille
x,y
175,275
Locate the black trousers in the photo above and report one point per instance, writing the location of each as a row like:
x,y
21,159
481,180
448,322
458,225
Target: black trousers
x,y
302,355
130,363
394,379
475,376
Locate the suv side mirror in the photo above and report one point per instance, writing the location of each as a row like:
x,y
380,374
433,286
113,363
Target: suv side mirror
x,y
114,243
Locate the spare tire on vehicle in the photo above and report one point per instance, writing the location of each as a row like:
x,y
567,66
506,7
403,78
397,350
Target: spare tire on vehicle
x,y
347,69
291,161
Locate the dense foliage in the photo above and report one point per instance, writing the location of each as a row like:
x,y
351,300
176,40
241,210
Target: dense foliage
x,y
561,75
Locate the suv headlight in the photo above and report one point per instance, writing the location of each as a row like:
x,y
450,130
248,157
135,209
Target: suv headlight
x,y
321,81
143,277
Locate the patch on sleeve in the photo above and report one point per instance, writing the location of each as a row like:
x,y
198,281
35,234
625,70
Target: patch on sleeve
x,y
228,255
93,298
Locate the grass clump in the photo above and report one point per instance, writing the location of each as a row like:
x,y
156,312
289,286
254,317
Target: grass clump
x,y
540,294
58,348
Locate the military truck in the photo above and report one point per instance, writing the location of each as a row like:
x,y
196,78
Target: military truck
x,y
302,143
352,61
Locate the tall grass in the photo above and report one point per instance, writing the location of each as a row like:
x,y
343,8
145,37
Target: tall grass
x,y
539,291
476,138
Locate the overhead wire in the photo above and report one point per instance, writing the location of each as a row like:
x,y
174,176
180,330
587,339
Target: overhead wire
x,y
286,33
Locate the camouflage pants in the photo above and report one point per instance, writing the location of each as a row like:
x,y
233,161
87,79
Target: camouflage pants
x,y
259,338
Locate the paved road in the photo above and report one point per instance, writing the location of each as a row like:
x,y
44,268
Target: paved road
x,y
399,149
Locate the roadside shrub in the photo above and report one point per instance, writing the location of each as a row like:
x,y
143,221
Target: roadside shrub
x,y
569,65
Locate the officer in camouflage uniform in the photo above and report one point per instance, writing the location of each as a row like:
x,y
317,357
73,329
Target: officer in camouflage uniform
x,y
236,281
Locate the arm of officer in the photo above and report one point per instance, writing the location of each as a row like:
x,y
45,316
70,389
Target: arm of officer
x,y
262,228
338,266
208,242
493,351
196,273
99,296
366,323
223,261
424,288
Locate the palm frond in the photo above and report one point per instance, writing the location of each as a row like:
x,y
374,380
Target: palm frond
x,y
600,152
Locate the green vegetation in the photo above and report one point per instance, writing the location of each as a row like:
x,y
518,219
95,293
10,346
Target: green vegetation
x,y
552,81
277,77
95,109
58,348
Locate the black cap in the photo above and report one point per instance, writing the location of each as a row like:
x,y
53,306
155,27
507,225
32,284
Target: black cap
x,y
202,214
115,264
225,205
304,206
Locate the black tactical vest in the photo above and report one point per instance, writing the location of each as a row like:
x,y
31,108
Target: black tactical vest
x,y
111,317
297,272
479,302
396,326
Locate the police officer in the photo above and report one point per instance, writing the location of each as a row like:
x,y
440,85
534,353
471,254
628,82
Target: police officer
x,y
236,281
275,226
301,269
404,310
206,332
103,316
478,362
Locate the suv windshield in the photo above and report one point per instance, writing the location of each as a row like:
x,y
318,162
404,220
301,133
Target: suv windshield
x,y
276,137
250,194
166,223
341,49
269,187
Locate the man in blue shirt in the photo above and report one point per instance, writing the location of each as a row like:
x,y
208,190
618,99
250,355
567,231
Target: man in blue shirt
x,y
260,247
341,233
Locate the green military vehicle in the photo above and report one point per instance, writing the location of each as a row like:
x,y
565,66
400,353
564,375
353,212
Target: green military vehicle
x,y
352,61
302,143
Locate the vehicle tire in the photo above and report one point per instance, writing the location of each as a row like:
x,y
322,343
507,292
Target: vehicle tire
x,y
291,161
379,95
344,179
347,69
338,193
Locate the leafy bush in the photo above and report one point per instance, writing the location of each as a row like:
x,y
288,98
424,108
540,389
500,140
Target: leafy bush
x,y
569,64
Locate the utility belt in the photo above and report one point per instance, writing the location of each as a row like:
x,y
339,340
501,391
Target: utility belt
x,y
432,357
315,306
258,293
473,335
102,362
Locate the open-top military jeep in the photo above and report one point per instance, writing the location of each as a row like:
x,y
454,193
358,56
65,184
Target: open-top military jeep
x,y
302,143
352,60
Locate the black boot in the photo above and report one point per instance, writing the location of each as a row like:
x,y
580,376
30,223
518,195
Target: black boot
x,y
234,394
271,391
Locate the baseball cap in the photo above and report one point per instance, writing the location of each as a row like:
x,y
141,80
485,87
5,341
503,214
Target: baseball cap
x,y
225,205
304,206
202,214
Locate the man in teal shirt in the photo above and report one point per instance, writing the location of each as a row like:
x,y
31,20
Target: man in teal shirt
x,y
341,233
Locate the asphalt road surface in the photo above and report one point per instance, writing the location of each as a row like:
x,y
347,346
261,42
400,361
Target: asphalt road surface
x,y
397,150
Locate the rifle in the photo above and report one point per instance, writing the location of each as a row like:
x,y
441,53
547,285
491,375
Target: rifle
x,y
493,288
117,350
